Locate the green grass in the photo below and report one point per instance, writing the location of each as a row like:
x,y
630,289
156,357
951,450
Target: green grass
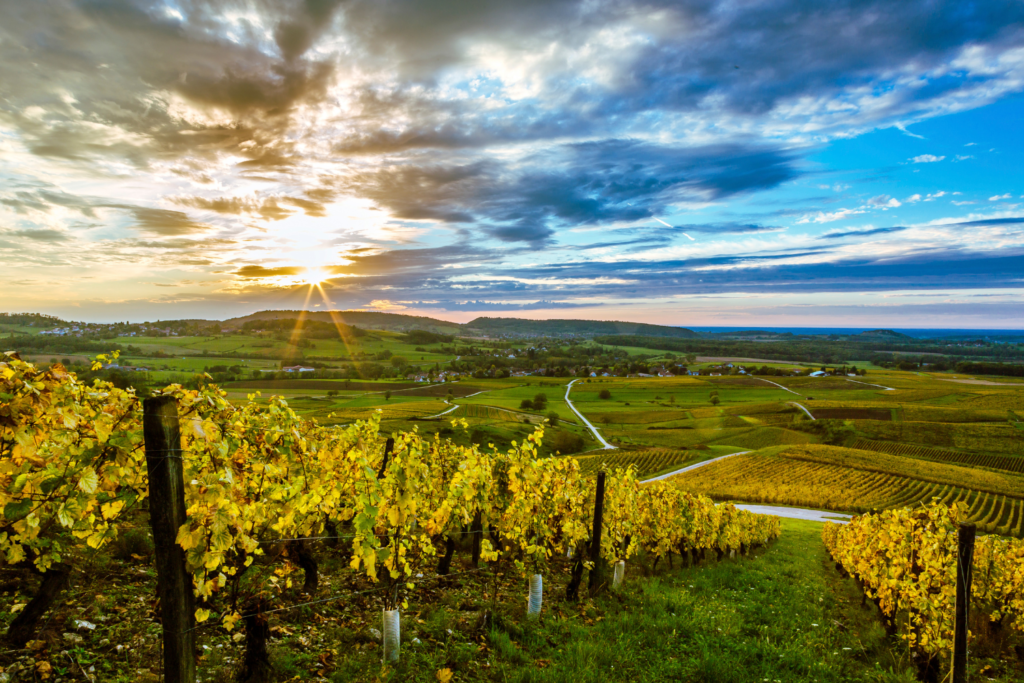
x,y
782,614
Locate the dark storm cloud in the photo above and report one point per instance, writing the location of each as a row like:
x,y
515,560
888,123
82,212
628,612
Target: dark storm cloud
x,y
108,53
573,185
740,61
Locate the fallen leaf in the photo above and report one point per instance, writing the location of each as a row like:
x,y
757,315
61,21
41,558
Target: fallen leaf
x,y
444,675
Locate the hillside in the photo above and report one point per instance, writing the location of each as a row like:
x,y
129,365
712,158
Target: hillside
x,y
397,322
582,328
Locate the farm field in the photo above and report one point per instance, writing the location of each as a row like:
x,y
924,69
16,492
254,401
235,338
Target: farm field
x,y
913,439
834,478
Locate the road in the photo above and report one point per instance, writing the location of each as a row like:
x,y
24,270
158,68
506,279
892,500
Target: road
x,y
778,385
796,513
607,446
802,408
777,510
446,412
691,467
871,385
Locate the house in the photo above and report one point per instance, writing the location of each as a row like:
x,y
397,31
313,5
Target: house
x,y
297,368
819,373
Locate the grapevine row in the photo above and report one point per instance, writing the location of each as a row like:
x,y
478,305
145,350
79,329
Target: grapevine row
x,y
810,484
72,465
905,560
999,462
645,462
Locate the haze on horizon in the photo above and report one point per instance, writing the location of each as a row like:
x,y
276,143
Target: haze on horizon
x,y
774,163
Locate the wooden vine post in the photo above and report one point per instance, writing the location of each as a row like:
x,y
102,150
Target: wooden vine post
x,y
964,560
594,581
166,514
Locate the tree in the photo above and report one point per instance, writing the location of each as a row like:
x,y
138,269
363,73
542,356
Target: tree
x,y
399,361
553,417
715,400
567,442
540,400
387,395
526,404
605,394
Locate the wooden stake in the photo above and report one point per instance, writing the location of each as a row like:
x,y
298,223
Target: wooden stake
x,y
594,580
964,559
166,514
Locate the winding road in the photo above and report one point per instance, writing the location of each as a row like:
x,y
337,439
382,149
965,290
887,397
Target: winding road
x,y
871,385
778,385
796,513
593,430
803,409
776,510
690,467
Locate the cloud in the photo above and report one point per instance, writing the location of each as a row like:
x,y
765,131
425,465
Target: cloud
x,y
884,201
494,130
273,208
256,272
913,198
163,221
590,183
860,233
830,216
996,198
40,235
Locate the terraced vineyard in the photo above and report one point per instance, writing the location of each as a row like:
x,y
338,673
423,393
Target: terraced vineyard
x,y
998,462
821,477
646,462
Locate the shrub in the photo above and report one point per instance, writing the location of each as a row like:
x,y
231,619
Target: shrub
x,y
567,442
605,394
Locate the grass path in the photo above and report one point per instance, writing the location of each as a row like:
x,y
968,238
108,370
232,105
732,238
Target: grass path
x,y
782,614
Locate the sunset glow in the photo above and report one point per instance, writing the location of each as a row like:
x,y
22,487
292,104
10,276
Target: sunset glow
x,y
595,159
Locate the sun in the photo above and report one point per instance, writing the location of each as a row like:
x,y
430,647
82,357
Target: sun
x,y
314,276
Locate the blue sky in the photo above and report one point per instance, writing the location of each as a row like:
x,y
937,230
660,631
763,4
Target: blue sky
x,y
689,163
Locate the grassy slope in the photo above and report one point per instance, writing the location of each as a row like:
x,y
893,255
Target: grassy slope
x,y
783,615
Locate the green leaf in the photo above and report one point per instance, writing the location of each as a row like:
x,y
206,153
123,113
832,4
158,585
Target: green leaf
x,y
15,511
89,480
19,483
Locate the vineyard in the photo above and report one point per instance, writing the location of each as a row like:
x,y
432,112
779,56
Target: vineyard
x,y
905,560
645,463
1010,464
264,488
816,478
492,413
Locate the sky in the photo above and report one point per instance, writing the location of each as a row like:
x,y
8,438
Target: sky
x,y
693,163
